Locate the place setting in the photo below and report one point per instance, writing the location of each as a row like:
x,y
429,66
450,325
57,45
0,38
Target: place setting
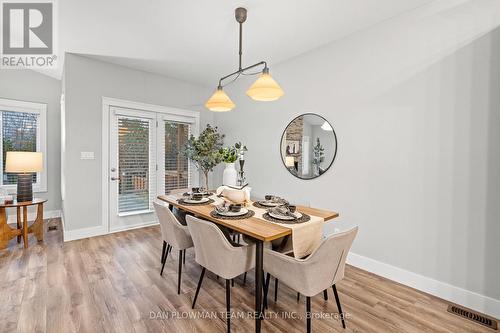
x,y
279,210
231,211
270,201
197,196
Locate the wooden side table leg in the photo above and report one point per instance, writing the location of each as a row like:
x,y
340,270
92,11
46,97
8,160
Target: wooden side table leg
x,y
4,229
19,226
38,225
25,226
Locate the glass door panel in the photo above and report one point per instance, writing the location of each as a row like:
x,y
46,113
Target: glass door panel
x,y
176,164
133,164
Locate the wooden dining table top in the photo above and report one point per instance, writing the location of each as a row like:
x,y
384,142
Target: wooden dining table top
x,y
253,226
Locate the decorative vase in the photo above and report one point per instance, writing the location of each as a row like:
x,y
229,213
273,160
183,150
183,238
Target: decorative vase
x,y
229,176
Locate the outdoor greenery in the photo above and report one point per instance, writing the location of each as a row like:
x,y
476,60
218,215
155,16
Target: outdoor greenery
x,y
204,151
18,134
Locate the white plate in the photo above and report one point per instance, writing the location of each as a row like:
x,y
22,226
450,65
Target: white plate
x,y
243,211
269,204
282,217
196,201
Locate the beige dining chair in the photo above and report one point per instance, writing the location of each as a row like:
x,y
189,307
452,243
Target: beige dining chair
x,y
284,245
321,270
179,214
214,252
175,235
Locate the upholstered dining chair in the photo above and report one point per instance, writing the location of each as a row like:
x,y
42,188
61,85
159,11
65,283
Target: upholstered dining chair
x,y
174,235
321,270
284,245
214,252
179,214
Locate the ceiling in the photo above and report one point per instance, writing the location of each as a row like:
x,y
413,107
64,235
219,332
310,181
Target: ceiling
x,y
197,41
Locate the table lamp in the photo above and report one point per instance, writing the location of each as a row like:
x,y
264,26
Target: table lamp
x,y
24,164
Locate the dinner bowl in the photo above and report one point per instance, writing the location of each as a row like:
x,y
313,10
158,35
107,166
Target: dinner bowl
x,y
234,208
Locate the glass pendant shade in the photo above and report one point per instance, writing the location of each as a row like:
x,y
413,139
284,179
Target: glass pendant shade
x,y
265,88
219,102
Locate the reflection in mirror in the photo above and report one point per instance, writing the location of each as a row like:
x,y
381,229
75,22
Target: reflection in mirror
x,y
308,146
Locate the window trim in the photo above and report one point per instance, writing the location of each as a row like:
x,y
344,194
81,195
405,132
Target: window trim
x,y
11,105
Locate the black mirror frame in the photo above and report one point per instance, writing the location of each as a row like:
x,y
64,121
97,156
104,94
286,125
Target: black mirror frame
x,y
281,146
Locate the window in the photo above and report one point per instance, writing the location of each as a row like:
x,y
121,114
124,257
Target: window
x,y
133,164
176,164
22,128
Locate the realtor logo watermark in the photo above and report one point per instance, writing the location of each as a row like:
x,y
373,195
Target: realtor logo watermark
x,y
28,35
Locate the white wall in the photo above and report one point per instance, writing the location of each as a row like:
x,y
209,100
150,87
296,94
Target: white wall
x,y
86,81
416,108
27,85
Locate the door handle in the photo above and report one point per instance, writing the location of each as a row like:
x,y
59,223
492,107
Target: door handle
x,y
115,178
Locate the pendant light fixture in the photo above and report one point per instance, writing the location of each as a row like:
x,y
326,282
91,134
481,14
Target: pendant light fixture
x,y
264,89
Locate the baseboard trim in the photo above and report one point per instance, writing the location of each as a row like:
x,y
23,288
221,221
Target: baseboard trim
x,y
472,300
70,235
100,230
133,226
47,214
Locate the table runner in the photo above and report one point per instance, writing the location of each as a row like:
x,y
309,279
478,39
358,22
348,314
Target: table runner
x,y
305,236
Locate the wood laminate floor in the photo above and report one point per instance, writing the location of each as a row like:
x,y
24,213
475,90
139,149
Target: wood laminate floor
x,y
112,284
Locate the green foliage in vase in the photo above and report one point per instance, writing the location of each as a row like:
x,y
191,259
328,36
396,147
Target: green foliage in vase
x,y
232,153
229,154
319,153
204,151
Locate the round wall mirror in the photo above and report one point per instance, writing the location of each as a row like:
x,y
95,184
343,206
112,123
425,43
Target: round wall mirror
x,y
308,146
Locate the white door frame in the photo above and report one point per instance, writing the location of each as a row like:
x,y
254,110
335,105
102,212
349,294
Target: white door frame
x,y
107,103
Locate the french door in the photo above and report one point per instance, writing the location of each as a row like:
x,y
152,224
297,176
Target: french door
x,y
145,159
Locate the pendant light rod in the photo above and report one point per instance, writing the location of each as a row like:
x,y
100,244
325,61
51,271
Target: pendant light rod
x,y
241,44
240,15
241,70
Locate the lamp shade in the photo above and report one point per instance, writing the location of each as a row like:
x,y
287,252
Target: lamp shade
x,y
219,102
289,161
265,88
22,161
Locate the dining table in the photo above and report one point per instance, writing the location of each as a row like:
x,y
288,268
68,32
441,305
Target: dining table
x,y
257,228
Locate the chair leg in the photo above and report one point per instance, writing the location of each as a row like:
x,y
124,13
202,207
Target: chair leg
x,y
198,287
325,295
276,290
298,296
184,257
232,282
308,313
338,305
228,306
165,259
266,289
245,278
179,273
163,250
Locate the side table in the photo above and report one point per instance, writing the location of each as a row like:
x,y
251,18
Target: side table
x,y
7,233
